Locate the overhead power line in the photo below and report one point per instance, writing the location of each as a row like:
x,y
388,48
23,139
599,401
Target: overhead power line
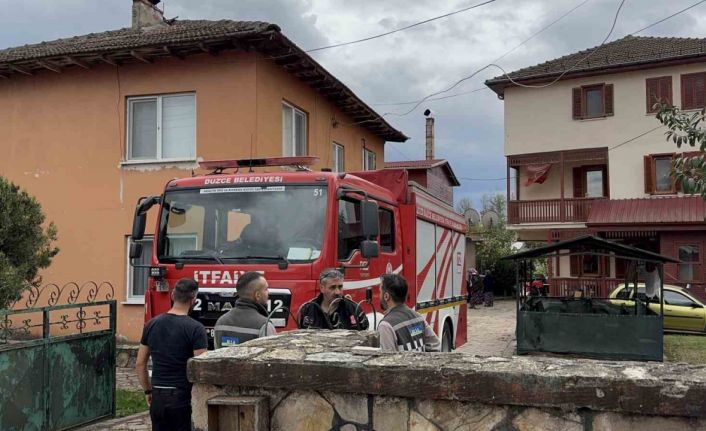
x,y
627,141
508,52
670,16
563,73
407,27
593,51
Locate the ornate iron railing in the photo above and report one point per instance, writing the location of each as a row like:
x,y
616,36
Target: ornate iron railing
x,y
68,309
57,345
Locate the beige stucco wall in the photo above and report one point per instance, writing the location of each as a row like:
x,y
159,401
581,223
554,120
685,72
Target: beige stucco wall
x,y
538,120
62,137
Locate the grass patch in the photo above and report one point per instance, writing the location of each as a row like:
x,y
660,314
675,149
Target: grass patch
x,y
129,402
685,348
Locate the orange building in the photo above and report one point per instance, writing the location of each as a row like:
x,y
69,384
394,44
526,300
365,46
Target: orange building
x,y
89,124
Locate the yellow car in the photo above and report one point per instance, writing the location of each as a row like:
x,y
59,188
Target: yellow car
x,y
682,312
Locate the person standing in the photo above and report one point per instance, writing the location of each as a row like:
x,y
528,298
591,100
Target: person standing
x,y
330,309
488,288
171,339
402,328
475,289
249,318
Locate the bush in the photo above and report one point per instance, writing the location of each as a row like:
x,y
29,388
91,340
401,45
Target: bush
x,y
25,245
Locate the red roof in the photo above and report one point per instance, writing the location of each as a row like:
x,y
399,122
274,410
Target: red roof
x,y
425,164
415,164
650,211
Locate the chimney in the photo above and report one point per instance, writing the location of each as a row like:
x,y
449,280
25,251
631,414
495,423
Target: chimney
x,y
430,133
145,14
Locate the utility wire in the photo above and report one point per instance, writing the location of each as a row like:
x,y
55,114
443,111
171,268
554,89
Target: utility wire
x,y
670,16
412,102
537,33
596,49
563,73
401,28
627,141
593,51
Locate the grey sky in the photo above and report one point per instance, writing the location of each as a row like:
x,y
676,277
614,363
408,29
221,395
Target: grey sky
x,y
404,66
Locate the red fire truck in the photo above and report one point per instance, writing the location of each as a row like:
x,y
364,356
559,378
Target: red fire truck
x,y
293,223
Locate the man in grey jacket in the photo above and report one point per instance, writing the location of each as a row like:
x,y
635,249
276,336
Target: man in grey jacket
x,y
248,318
402,328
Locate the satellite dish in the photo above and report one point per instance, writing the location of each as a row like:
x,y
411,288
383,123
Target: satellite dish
x,y
490,219
472,217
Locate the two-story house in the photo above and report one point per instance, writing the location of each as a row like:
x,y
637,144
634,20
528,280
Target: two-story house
x,y
89,124
585,154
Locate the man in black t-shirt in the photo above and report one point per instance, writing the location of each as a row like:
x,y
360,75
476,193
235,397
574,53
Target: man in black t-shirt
x,y
171,339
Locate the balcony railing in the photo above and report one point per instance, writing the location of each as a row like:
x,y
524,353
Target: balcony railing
x,y
593,287
550,210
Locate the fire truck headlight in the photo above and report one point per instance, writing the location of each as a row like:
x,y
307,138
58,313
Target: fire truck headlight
x,y
157,272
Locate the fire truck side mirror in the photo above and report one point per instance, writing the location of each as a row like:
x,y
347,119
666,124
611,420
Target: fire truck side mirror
x,y
140,219
369,219
135,250
369,249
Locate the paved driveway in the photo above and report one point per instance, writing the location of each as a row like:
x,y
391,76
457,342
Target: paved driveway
x,y
491,330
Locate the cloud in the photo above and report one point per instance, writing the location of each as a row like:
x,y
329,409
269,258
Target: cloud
x,y
404,66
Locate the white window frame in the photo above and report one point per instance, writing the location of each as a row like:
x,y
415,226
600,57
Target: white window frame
x,y
366,166
338,148
295,110
129,297
158,159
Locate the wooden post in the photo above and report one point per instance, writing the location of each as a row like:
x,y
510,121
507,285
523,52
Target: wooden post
x,y
562,211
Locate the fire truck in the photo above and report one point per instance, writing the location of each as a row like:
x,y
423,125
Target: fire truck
x,y
289,223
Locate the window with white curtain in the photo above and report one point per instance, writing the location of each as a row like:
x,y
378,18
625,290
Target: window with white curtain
x,y
293,131
368,160
162,128
338,158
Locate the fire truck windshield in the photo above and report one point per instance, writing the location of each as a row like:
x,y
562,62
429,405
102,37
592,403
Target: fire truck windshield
x,y
248,224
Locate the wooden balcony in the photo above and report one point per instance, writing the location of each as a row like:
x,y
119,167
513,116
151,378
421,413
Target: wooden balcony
x,y
550,210
597,287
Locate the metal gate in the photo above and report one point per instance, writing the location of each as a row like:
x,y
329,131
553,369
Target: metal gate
x,y
57,361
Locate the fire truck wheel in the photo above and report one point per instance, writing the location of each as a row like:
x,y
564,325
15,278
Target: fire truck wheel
x,y
446,338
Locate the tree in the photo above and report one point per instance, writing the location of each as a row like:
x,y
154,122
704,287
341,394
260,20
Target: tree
x,y
463,205
25,244
685,128
497,203
497,244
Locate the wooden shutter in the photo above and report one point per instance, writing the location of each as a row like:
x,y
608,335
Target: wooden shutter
x,y
693,91
606,189
608,99
649,175
700,90
653,96
576,107
579,191
665,89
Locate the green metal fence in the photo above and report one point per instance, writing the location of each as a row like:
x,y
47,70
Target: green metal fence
x,y
57,362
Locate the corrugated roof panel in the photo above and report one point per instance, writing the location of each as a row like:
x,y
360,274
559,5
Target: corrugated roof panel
x,y
662,210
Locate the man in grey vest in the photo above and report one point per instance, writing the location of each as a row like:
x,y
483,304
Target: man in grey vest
x,y
248,318
402,328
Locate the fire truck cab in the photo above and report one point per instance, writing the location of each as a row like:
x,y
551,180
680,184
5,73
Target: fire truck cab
x,y
292,224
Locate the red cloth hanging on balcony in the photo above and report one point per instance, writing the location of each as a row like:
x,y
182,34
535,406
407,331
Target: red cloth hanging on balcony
x,y
537,173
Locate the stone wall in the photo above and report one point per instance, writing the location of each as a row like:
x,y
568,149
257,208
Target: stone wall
x,y
322,381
